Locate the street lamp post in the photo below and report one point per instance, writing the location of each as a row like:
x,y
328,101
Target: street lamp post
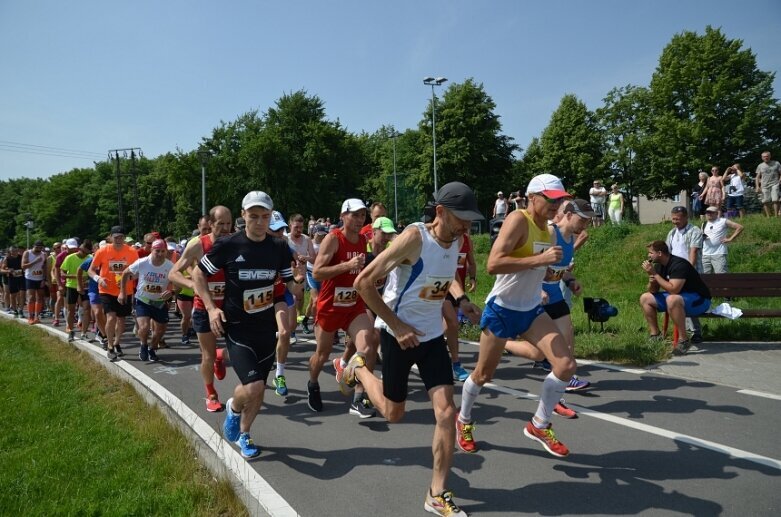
x,y
28,224
431,81
395,182
204,157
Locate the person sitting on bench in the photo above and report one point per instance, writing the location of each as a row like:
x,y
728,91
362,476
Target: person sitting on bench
x,y
685,292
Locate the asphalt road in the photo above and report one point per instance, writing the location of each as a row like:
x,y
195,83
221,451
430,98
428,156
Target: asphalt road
x,y
694,436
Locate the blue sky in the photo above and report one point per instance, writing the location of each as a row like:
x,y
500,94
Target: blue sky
x,y
93,75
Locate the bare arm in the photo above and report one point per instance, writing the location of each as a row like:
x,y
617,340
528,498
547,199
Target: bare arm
x,y
514,232
738,229
329,247
191,254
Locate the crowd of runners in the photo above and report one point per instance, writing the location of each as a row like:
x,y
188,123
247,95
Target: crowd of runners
x,y
396,296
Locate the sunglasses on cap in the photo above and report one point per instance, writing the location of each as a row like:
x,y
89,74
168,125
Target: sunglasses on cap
x,y
678,210
550,200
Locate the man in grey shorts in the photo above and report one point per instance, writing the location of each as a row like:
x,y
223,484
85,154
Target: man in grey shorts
x,y
766,183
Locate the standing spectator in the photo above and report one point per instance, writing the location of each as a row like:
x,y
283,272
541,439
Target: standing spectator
x,y
598,198
698,207
766,182
500,206
733,179
616,207
713,193
714,240
685,241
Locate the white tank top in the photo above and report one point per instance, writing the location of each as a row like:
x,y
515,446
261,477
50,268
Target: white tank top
x,y
415,292
35,271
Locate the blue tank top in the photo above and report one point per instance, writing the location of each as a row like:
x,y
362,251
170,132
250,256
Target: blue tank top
x,y
552,282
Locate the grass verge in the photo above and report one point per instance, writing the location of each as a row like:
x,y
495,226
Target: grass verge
x,y
76,440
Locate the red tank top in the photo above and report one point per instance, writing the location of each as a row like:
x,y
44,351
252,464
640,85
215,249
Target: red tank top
x,y
337,293
216,281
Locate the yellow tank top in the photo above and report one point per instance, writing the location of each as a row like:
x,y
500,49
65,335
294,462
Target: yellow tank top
x,y
537,241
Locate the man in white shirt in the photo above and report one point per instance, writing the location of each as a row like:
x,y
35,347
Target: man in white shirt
x,y
685,241
714,240
500,206
598,197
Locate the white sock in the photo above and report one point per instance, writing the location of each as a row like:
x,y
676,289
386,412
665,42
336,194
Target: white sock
x,y
280,368
469,393
552,390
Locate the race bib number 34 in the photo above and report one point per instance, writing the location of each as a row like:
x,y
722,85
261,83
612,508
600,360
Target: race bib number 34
x,y
345,296
256,300
435,289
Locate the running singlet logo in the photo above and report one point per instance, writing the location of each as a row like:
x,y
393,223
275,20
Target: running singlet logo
x,y
436,288
345,296
257,300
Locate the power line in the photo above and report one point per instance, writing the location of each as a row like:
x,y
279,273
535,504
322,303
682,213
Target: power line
x,y
8,145
80,157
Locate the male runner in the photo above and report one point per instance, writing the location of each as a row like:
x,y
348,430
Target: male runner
x,y
251,262
341,257
152,294
70,275
35,275
520,258
420,265
12,266
106,269
220,221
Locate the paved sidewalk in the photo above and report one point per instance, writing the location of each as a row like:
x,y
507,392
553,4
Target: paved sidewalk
x,y
753,366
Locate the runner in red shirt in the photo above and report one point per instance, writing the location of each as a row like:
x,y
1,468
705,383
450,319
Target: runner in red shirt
x,y
341,258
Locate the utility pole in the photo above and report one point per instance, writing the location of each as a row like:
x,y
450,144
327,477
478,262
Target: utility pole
x,y
204,156
114,154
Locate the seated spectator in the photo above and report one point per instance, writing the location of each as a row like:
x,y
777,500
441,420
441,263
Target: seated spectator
x,y
685,292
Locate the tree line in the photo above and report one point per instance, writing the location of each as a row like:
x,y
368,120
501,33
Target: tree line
x,y
706,103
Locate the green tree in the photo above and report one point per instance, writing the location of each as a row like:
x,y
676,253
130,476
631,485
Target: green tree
x,y
571,146
710,105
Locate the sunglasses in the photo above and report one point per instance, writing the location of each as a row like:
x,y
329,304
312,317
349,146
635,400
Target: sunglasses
x,y
678,210
550,200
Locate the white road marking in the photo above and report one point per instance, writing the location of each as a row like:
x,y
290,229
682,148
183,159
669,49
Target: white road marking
x,y
760,394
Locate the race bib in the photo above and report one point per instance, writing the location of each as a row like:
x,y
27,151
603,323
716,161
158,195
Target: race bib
x,y
436,288
217,290
116,267
538,248
257,300
461,260
37,272
345,296
554,274
153,289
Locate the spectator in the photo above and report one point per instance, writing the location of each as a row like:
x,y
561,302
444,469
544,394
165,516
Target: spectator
x,y
685,241
616,207
685,292
500,206
714,240
698,207
733,179
766,182
598,198
713,193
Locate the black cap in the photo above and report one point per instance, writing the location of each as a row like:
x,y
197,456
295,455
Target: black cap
x,y
117,229
38,244
459,199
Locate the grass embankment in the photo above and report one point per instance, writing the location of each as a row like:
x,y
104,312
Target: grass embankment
x,y
608,266
78,441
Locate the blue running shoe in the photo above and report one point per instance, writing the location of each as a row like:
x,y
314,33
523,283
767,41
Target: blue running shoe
x,y
143,354
576,384
280,385
230,428
543,365
459,373
247,447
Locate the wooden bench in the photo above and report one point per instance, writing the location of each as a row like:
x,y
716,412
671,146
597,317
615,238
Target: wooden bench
x,y
739,285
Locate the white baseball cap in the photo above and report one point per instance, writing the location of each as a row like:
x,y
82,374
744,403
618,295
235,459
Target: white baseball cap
x,y
257,198
548,185
72,244
352,205
277,221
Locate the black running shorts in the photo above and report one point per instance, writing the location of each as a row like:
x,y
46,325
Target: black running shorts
x,y
431,357
252,353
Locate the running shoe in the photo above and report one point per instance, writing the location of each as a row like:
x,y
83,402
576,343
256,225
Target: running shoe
x,y
119,351
247,446
338,368
300,319
111,354
143,353
696,338
36,320
305,325
219,364
104,343
152,355
231,427
9,311
84,337
443,504
314,401
682,348
655,338
213,404
561,409
543,365
56,323
349,380
293,338
280,385
186,340
71,335
464,437
459,373
575,384
362,408
547,438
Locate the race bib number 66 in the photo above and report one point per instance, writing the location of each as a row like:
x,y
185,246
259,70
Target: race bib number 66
x,y
256,300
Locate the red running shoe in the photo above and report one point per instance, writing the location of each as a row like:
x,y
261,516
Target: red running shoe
x,y
464,438
219,365
213,404
338,368
561,409
547,438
